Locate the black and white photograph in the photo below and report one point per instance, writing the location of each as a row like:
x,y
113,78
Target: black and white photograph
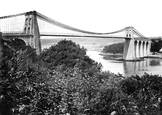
x,y
81,57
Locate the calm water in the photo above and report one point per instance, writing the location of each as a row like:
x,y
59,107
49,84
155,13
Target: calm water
x,y
94,46
149,65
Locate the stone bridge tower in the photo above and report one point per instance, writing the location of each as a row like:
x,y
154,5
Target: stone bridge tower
x,y
135,48
31,28
129,49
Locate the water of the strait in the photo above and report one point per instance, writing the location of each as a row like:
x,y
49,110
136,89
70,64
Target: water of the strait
x,y
94,46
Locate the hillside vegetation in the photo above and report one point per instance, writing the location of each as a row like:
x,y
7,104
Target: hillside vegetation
x,y
114,48
156,45
63,80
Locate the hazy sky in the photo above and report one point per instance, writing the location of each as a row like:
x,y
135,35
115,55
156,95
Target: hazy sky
x,y
95,15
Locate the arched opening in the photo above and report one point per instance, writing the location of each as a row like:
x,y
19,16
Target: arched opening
x,y
135,49
25,30
147,48
28,32
16,43
19,42
130,35
26,21
139,49
30,21
143,48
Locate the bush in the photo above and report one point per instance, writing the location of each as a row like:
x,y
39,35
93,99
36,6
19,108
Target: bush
x,y
114,48
156,45
28,88
17,77
66,54
144,92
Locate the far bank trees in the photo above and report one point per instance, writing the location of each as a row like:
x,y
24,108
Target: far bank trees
x,y
156,45
114,48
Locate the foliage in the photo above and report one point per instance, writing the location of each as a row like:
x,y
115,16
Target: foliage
x,y
114,48
16,73
66,54
144,93
85,94
156,45
12,46
27,87
35,90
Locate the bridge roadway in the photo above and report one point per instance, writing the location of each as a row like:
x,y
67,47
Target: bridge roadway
x,y
10,35
23,35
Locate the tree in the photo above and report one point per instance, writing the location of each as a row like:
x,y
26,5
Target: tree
x,y
144,92
29,88
66,54
114,48
16,74
156,45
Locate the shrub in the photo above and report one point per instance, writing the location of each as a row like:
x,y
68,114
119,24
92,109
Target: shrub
x,y
145,92
114,48
28,88
67,54
156,45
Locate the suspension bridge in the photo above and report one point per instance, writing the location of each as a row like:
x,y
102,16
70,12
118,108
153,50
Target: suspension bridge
x,y
30,26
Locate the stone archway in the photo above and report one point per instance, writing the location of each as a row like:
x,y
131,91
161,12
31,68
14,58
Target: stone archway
x,y
139,48
147,48
143,48
136,45
16,43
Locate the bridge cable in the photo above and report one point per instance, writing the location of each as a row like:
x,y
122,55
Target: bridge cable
x,y
72,28
10,16
12,23
138,32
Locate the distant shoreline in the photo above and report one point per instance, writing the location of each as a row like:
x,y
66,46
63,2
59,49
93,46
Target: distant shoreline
x,y
119,56
111,56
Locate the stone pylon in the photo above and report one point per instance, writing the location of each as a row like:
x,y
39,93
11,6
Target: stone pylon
x,y
31,28
129,45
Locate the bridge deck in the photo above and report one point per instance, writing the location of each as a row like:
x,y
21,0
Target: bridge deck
x,y
16,35
9,35
77,35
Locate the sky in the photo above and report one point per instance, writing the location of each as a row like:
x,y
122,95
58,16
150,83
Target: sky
x,y
95,15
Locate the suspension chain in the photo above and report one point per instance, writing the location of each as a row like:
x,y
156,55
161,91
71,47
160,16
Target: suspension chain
x,y
72,28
